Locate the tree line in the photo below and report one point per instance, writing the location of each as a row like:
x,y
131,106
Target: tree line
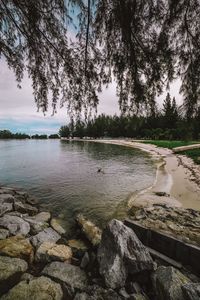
x,y
7,134
168,123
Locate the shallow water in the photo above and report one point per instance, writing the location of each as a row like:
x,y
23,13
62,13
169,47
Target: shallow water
x,y
63,176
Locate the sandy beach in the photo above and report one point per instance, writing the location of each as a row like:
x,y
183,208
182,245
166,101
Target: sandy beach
x,y
176,176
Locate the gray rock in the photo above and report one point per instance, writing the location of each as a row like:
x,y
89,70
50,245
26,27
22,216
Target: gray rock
x,y
191,291
85,260
15,225
4,233
6,203
72,276
25,208
27,277
121,253
10,267
47,235
138,297
40,288
44,216
98,293
168,282
6,190
36,226
124,293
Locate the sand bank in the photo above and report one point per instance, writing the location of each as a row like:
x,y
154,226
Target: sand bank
x,y
176,175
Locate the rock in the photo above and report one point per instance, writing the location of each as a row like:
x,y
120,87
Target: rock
x,y
17,246
48,252
77,244
134,288
168,282
72,276
44,216
138,297
85,260
27,277
36,226
23,195
4,233
47,235
121,253
10,269
95,292
91,231
124,293
57,227
41,288
25,208
15,225
6,203
6,190
191,291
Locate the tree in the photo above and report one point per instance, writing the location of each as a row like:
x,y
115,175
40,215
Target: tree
x,y
143,44
64,131
54,136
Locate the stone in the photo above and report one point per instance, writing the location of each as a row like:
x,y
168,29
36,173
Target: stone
x,y
91,231
168,282
36,226
77,244
72,276
47,235
57,227
85,260
6,203
121,253
95,292
123,293
10,267
4,233
41,288
17,246
44,216
48,252
25,208
6,190
191,291
15,225
138,297
27,277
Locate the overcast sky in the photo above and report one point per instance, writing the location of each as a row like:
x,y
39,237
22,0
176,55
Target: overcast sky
x,y
18,111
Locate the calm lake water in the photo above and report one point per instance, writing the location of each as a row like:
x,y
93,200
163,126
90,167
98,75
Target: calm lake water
x,y
63,176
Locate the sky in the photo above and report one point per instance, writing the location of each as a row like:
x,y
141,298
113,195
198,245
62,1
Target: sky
x,y
18,111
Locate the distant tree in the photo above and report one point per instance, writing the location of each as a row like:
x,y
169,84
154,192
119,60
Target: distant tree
x,y
39,137
64,131
6,134
79,130
21,136
54,136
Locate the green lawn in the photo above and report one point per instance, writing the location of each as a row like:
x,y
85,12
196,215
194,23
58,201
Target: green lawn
x,y
193,153
170,144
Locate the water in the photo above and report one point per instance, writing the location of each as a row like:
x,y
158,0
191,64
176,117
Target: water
x,y
63,176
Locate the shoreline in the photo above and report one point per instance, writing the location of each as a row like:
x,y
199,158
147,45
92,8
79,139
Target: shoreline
x,y
177,177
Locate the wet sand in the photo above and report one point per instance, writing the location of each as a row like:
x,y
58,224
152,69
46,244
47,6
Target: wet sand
x,y
176,176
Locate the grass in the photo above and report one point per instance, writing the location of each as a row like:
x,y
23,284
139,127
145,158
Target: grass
x,y
193,153
170,144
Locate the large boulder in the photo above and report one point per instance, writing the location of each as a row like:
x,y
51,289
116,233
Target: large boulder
x,y
10,271
72,276
191,291
25,208
41,288
121,253
168,283
47,235
36,226
4,233
90,230
48,252
15,225
17,246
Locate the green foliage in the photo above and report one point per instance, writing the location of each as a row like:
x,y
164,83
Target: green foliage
x,y
6,134
64,131
54,136
39,137
170,144
194,154
144,45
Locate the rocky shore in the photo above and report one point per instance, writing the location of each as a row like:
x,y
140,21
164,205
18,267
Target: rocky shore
x,y
37,261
